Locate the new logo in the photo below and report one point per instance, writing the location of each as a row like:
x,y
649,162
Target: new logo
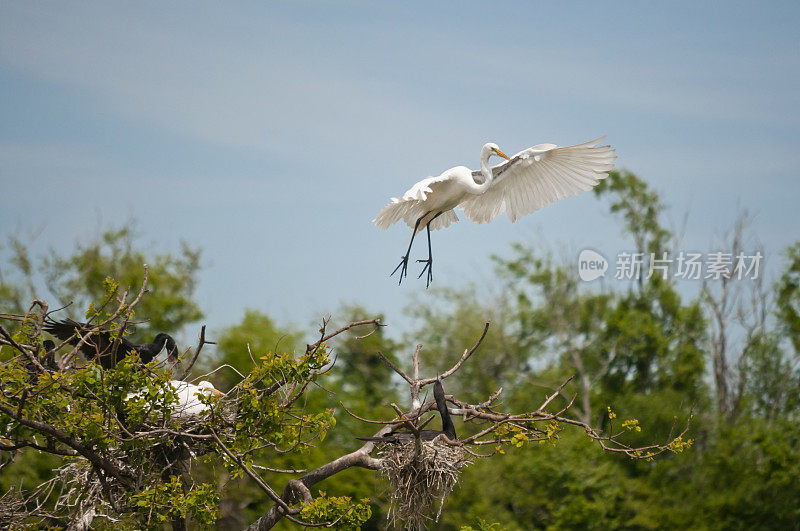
x,y
591,265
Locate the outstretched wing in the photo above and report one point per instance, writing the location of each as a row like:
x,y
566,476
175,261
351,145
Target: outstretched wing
x,y
412,206
97,345
539,176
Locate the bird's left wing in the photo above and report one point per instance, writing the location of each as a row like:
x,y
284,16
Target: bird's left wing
x,y
539,176
411,206
72,332
96,343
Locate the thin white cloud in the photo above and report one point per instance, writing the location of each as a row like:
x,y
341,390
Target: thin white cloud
x,y
30,160
213,88
706,86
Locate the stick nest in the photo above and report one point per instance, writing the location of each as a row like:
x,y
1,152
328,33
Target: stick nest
x,y
419,479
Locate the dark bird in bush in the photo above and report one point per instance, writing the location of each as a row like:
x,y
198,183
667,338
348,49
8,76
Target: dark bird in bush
x,y
99,345
49,358
448,428
48,361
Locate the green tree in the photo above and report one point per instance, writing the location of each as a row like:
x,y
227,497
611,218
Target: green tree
x,y
17,278
79,277
788,299
241,345
452,322
126,452
640,208
169,305
639,350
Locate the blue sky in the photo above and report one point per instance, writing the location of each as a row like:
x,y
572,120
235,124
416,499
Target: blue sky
x,y
270,134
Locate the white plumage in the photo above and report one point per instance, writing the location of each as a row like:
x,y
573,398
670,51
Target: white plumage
x,y
189,404
528,181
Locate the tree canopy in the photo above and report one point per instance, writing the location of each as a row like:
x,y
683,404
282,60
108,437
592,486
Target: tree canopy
x,y
639,405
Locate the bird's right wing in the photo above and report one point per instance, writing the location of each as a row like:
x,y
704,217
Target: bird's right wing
x,y
411,206
539,176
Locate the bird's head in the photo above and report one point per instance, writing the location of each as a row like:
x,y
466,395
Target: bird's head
x,y
493,149
165,340
207,388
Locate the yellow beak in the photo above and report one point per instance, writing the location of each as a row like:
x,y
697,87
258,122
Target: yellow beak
x,y
501,154
218,392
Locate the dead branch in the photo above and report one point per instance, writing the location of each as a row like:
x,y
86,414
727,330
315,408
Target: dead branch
x,y
201,342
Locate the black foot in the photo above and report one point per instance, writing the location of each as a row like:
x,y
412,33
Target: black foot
x,y
429,268
403,267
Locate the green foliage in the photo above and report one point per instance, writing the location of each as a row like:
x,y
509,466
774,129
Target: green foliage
x,y
645,352
80,277
254,336
168,500
80,403
118,413
260,417
359,371
16,279
772,383
640,208
641,354
656,343
451,321
679,445
347,513
788,299
631,425
482,526
570,485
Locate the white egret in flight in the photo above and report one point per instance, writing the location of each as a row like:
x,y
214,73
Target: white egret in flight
x,y
528,181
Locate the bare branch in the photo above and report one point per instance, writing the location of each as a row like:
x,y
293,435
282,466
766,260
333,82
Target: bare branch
x,y
464,357
376,322
394,367
201,342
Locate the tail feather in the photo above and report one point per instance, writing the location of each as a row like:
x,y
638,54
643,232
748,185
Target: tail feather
x,y
391,213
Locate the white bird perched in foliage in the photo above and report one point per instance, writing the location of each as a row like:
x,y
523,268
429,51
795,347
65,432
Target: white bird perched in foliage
x,y
189,404
528,181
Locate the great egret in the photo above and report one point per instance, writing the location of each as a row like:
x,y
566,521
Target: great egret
x,y
189,404
99,345
528,181
448,428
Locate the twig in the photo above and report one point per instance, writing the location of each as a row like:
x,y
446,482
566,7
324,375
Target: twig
x,y
556,393
460,362
203,341
376,322
394,367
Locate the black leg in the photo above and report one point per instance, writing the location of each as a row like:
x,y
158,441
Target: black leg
x,y
429,262
403,265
